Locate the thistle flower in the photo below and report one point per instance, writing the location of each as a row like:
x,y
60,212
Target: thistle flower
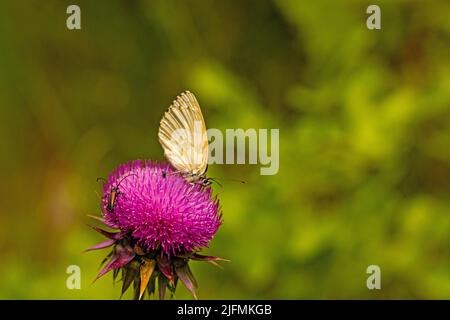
x,y
162,222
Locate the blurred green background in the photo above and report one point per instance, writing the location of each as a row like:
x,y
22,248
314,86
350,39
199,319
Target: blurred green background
x,y
364,119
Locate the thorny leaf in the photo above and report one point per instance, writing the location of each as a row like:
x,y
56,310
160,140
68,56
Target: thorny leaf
x,y
110,235
165,266
102,220
212,260
151,284
122,255
102,245
184,273
131,273
105,259
162,286
137,285
146,270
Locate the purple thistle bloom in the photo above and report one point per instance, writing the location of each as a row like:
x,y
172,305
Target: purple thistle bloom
x,y
159,208
161,223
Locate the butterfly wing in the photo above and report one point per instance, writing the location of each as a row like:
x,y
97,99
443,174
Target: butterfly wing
x,y
182,134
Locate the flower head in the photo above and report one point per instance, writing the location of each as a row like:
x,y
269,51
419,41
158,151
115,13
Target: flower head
x,y
159,209
162,221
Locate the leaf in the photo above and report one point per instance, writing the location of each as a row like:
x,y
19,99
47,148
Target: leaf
x,y
212,260
102,220
151,283
137,285
184,273
147,268
122,255
173,288
131,272
199,257
110,235
102,245
106,259
162,286
165,266
115,274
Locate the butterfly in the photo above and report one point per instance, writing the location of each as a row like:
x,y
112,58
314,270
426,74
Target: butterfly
x,y
182,134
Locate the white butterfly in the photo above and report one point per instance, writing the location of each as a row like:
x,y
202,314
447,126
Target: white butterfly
x,y
182,134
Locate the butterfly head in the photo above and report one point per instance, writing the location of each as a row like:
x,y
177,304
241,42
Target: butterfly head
x,y
206,182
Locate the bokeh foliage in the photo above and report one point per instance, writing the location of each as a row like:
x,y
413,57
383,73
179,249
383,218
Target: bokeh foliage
x,y
364,120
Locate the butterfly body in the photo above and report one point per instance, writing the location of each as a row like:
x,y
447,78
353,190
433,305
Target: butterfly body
x,y
197,179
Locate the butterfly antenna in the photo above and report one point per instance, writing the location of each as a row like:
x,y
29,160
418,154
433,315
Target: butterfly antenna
x,y
218,183
235,180
215,180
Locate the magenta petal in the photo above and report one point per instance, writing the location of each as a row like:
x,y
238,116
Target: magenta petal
x,y
102,245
